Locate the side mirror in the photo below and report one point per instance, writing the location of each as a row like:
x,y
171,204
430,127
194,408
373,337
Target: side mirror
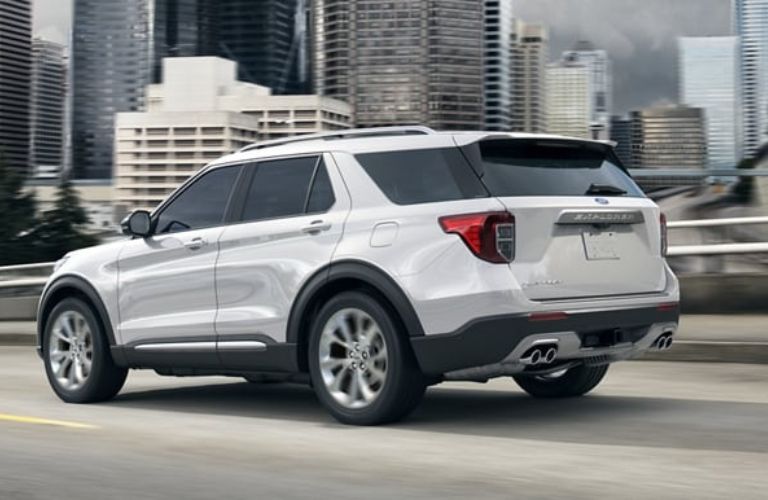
x,y
138,223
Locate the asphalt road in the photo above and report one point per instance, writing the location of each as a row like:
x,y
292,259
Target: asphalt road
x,y
652,430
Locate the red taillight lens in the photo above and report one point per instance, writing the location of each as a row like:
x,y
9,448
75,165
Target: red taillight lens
x,y
489,235
664,239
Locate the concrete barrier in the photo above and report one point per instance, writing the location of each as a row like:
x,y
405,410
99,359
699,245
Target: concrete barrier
x,y
724,293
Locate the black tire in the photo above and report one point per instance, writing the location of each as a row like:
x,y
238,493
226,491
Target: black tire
x,y
404,384
575,382
105,378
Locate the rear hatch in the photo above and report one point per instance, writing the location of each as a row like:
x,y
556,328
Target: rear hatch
x,y
583,228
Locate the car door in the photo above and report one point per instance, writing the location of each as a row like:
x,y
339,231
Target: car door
x,y
291,219
166,288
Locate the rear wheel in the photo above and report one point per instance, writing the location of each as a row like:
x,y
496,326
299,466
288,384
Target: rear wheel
x,y
362,368
569,383
76,353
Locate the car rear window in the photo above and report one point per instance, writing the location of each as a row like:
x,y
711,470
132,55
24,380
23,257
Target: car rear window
x,y
423,176
552,168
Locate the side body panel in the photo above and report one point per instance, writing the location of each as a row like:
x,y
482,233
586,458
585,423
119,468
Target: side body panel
x,y
262,265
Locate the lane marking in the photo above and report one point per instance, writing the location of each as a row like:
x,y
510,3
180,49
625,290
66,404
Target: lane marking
x,y
44,421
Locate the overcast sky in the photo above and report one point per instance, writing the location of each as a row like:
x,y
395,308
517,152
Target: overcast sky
x,y
639,35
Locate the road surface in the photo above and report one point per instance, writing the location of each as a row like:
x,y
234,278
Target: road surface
x,y
652,430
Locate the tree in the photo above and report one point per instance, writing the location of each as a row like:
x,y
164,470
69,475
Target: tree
x,y
61,229
744,189
17,218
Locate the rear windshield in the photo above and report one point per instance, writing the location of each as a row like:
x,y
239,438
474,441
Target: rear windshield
x,y
552,168
423,176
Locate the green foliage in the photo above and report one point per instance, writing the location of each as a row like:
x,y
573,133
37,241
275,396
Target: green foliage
x,y
17,218
26,238
60,230
744,190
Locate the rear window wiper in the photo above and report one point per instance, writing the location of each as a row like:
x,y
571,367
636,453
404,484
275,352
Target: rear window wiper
x,y
605,189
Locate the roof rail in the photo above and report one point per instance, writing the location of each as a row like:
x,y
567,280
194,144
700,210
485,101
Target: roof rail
x,y
342,134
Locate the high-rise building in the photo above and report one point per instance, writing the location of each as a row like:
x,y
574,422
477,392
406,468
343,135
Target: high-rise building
x,y
111,66
621,134
530,47
15,77
601,85
499,78
268,39
199,113
569,99
47,108
181,28
750,19
669,137
405,62
715,91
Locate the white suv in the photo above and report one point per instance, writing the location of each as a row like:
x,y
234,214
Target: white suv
x,y
374,263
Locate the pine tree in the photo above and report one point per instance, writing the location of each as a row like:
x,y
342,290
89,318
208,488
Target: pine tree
x,y
61,230
17,218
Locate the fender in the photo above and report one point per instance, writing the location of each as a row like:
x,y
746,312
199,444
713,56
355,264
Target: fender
x,y
359,271
83,287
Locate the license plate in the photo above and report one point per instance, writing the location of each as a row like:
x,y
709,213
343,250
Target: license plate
x,y
600,245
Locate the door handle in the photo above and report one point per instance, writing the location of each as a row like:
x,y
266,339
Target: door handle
x,y
195,243
316,227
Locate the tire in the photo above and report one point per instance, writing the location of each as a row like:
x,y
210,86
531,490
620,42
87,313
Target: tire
x,y
574,382
374,350
103,380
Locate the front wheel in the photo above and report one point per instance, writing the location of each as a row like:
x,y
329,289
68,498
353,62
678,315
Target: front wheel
x,y
568,383
76,353
362,367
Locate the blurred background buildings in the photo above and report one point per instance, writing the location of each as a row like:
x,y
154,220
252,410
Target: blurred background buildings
x,y
92,111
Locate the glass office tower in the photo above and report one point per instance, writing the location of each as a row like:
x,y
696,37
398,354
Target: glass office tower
x,y
709,79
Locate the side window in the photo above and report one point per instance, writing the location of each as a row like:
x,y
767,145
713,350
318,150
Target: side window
x,y
321,197
279,188
201,204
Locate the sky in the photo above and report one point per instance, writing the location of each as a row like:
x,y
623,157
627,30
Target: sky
x,y
639,35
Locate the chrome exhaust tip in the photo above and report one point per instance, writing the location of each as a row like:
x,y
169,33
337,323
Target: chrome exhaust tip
x,y
550,356
536,357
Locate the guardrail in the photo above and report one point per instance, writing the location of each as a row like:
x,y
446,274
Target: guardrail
x,y
20,286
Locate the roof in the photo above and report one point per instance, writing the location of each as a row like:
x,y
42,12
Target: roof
x,y
357,141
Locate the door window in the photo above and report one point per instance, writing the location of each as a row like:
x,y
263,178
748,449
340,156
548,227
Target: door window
x,y
285,188
202,204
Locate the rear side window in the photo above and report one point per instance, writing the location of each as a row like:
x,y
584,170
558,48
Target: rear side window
x,y
423,176
552,168
279,188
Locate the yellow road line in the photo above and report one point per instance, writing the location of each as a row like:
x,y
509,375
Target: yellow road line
x,y
44,421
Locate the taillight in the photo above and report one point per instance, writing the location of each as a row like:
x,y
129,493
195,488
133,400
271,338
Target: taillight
x,y
664,238
489,235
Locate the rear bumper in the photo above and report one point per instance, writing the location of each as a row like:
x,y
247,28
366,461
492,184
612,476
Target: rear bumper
x,y
613,333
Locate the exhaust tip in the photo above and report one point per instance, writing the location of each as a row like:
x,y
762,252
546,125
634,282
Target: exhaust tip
x,y
536,357
551,354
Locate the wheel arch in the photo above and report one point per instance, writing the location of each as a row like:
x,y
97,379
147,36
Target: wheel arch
x,y
77,287
339,277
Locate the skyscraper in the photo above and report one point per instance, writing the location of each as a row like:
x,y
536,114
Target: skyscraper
x,y
47,105
569,99
621,134
669,137
529,71
15,76
181,28
750,19
715,91
601,85
405,62
111,66
268,39
499,78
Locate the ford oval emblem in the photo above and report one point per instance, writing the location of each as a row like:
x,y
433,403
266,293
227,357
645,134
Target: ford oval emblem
x,y
602,201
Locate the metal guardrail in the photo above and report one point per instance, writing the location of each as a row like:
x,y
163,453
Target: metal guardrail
x,y
20,286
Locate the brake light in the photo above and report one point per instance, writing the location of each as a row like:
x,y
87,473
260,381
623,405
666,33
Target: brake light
x,y
664,237
490,235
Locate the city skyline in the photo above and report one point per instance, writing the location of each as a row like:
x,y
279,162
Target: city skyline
x,y
641,45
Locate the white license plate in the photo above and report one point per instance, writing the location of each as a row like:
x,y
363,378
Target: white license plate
x,y
600,245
